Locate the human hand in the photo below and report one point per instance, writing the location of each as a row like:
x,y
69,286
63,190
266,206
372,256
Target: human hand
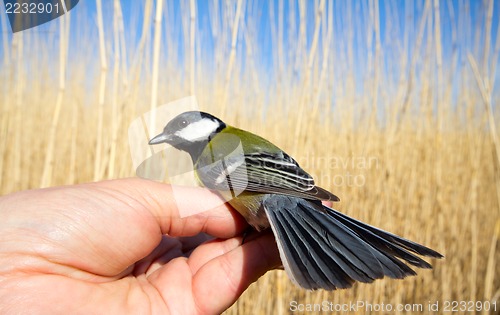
x,y
103,248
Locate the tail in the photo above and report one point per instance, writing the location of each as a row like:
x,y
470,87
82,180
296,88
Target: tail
x,y
323,248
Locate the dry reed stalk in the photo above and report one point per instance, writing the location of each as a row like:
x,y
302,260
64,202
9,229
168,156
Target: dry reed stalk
x,y
73,146
280,55
5,39
324,66
232,55
138,64
48,166
215,25
275,37
375,67
192,38
301,46
114,97
491,265
18,101
156,63
98,164
474,237
138,60
439,64
377,64
494,59
400,110
304,94
6,95
486,97
292,26
454,57
438,139
251,61
123,50
487,42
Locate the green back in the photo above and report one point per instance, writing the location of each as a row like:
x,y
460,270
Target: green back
x,y
231,139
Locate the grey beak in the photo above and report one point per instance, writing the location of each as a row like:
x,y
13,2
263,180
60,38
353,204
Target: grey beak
x,y
161,138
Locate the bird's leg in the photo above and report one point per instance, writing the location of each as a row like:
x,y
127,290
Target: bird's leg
x,y
246,233
252,233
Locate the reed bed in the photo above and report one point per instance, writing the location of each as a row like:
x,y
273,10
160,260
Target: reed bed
x,y
395,116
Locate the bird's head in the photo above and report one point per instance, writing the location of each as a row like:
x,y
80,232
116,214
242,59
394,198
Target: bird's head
x,y
190,132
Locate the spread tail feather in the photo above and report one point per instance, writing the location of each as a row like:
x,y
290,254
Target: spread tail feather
x,y
323,248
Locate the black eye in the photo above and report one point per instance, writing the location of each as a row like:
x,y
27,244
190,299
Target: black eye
x,y
182,123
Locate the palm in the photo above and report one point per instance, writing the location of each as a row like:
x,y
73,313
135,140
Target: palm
x,y
102,247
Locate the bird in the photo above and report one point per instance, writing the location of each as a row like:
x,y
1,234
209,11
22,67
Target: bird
x,y
320,247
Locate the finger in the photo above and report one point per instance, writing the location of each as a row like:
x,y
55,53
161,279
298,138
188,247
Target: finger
x,y
220,281
211,250
168,249
218,247
171,248
182,211
190,243
99,229
224,271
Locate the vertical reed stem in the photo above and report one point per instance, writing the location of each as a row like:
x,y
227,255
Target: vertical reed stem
x,y
102,94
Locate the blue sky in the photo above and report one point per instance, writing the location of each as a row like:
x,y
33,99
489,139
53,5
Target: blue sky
x,y
397,20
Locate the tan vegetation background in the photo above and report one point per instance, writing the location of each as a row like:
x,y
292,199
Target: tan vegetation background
x,y
421,146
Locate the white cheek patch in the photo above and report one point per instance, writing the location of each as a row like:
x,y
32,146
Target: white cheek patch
x,y
199,130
